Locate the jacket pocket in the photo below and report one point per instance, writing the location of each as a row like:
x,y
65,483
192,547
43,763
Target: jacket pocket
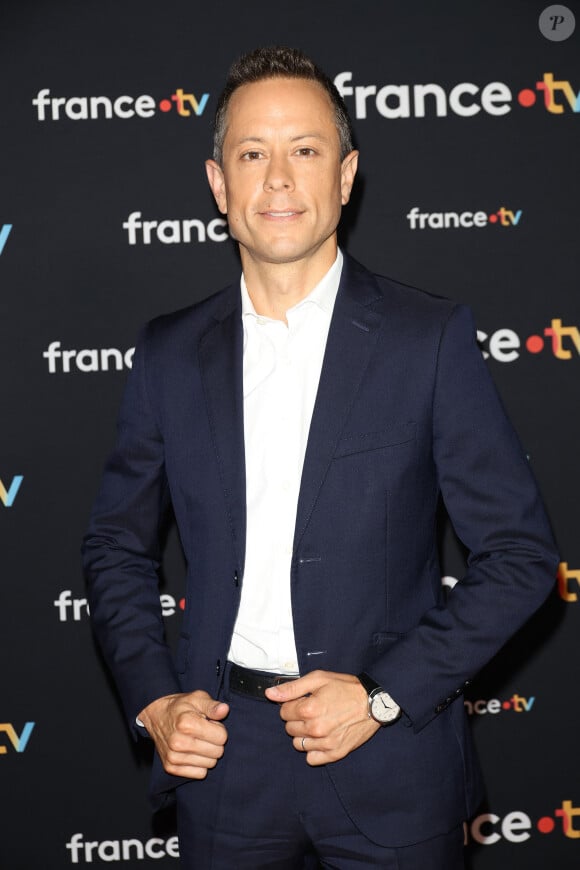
x,y
388,437
384,638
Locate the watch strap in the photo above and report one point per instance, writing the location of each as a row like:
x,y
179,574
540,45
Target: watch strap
x,y
368,683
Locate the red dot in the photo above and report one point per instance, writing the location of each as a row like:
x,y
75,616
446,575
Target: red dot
x,y
182,603
492,218
526,98
535,343
507,705
546,825
165,105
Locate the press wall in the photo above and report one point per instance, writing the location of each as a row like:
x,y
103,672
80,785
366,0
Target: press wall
x,y
467,116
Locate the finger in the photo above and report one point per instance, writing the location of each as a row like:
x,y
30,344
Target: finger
x,y
190,771
295,728
315,729
195,726
294,689
314,752
301,710
191,759
304,744
317,742
187,746
316,759
290,711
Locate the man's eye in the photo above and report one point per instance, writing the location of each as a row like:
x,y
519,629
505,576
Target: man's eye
x,y
306,152
251,155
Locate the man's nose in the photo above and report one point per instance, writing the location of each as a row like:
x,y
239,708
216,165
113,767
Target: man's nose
x,y
278,175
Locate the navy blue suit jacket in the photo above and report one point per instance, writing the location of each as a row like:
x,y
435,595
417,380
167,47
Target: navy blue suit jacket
x,y
405,414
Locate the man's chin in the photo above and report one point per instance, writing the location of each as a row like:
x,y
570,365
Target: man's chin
x,y
285,251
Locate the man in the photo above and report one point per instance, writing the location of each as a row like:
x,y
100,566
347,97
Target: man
x,y
304,425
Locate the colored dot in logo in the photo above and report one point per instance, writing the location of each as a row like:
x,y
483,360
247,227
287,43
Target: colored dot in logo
x,y
492,218
535,343
182,603
546,825
165,105
506,705
526,98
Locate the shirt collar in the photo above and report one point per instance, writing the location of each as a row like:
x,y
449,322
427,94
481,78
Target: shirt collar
x,y
323,294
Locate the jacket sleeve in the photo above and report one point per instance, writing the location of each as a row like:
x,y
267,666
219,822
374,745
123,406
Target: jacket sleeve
x,y
496,510
121,552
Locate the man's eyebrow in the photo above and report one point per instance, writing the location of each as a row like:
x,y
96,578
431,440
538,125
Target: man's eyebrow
x,y
318,136
260,140
250,139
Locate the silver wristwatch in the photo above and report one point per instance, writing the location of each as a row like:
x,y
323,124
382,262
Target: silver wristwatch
x,y
382,708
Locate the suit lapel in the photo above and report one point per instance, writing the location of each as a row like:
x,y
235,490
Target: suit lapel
x,y
220,360
351,340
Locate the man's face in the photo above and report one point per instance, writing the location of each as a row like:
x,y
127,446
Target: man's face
x,y
282,183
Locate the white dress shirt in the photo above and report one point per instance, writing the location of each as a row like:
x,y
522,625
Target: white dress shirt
x,y
281,371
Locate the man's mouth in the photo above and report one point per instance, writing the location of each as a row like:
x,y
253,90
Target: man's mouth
x,y
286,213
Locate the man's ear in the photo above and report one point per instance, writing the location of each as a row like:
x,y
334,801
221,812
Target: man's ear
x,y
347,173
215,177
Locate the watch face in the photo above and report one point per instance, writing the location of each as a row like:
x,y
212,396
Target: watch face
x,y
383,708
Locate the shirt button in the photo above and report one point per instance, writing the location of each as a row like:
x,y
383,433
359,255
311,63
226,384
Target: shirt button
x,y
290,666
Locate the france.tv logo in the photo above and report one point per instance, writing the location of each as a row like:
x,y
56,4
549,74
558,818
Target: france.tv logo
x,y
552,91
7,496
19,742
464,99
97,108
5,231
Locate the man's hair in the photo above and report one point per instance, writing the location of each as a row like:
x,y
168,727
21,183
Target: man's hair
x,y
278,62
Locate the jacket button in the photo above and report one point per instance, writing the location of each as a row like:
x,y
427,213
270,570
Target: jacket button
x,y
218,667
236,579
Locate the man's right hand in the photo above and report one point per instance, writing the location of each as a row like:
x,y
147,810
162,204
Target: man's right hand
x,y
187,731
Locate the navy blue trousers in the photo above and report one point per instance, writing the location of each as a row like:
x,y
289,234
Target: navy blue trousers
x,y
263,806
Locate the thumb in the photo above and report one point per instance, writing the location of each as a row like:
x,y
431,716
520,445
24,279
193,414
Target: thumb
x,y
294,689
212,709
217,710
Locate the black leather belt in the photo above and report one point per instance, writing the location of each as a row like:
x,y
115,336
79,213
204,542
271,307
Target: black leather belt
x,y
254,683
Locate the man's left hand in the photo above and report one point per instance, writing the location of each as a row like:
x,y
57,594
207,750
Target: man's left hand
x,y
326,714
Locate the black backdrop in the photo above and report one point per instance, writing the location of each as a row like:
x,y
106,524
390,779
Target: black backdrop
x,y
487,158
